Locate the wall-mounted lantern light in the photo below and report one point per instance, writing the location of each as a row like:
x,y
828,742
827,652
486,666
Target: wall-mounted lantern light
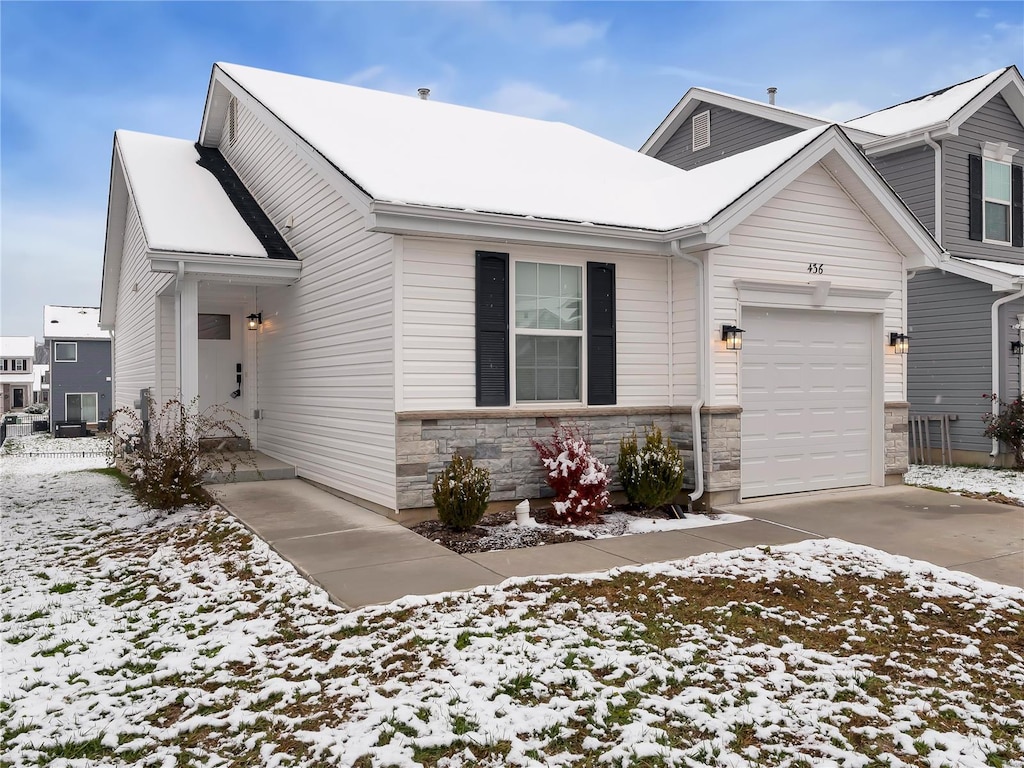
x,y
900,342
255,321
1017,348
732,336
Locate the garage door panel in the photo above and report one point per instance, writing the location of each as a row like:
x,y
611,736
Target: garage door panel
x,y
807,384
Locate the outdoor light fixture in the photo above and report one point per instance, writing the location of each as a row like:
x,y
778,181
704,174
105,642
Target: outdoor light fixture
x,y
1017,348
899,342
732,336
255,320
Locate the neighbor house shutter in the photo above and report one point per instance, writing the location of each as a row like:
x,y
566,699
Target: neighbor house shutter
x,y
974,196
491,328
1017,206
600,334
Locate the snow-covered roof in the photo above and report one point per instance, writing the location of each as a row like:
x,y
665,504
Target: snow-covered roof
x,y
72,323
402,149
926,110
183,207
18,346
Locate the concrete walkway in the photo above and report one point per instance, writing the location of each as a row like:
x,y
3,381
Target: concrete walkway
x,y
361,558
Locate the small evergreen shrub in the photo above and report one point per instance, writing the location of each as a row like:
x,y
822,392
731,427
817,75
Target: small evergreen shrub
x,y
35,408
164,465
461,492
1007,426
651,474
578,478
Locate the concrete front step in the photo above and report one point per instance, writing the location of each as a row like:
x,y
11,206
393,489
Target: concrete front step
x,y
250,466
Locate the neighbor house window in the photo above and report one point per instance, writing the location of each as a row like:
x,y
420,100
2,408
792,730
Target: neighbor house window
x,y
21,365
80,407
548,332
997,201
65,352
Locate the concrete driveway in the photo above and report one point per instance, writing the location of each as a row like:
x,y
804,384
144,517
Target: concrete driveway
x,y
972,535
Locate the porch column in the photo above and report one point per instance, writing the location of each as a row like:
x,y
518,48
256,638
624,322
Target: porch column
x,y
187,311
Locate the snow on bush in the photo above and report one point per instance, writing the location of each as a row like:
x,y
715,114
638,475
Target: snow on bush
x,y
1007,426
578,478
651,474
461,492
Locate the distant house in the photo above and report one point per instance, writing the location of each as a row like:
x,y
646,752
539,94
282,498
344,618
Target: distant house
x,y
41,383
421,278
80,365
17,354
956,158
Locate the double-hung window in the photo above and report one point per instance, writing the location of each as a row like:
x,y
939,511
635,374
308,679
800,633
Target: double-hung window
x,y
548,332
65,352
997,200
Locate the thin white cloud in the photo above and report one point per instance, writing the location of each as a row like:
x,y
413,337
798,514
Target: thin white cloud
x,y
574,34
836,111
527,100
696,77
367,75
598,65
983,13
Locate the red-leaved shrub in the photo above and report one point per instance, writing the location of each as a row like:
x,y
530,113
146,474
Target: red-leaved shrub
x,y
578,478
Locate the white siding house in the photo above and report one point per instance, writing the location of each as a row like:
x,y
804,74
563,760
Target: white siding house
x,y
427,293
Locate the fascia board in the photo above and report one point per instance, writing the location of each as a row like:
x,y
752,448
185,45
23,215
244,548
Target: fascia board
x,y
908,139
694,96
348,189
207,106
245,271
397,219
999,281
113,244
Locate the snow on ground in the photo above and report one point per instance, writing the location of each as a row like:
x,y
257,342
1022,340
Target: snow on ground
x,y
1007,482
130,638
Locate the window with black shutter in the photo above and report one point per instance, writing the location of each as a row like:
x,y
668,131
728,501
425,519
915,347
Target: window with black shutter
x,y
601,334
492,329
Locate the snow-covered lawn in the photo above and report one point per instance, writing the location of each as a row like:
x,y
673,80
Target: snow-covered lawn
x,y
129,639
974,480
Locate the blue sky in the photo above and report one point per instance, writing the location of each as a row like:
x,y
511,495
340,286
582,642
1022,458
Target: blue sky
x,y
72,73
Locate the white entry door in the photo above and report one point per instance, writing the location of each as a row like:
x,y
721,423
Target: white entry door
x,y
806,389
220,354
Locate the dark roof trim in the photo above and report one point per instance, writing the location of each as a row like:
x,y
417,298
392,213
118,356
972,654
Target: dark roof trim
x,y
212,160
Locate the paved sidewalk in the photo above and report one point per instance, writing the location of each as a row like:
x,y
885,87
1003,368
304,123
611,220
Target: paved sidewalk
x,y
362,558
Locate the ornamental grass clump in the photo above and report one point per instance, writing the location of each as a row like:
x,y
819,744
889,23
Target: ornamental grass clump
x,y
651,474
578,478
461,493
1007,426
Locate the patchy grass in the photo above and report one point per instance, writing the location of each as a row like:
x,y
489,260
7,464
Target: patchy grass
x,y
185,641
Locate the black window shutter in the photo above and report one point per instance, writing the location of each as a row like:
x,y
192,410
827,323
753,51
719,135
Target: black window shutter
x,y
491,328
600,334
974,195
1017,206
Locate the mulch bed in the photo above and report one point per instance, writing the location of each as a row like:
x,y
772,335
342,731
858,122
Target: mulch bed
x,y
493,531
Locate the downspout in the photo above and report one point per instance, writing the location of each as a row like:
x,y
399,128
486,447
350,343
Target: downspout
x,y
995,355
702,369
938,185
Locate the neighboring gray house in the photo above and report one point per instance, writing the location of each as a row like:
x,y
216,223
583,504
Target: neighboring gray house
x,y
954,157
80,362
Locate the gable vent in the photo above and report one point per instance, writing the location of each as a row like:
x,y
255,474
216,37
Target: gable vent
x,y
232,121
702,130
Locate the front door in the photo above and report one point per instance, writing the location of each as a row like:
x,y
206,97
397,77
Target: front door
x,y
18,396
220,362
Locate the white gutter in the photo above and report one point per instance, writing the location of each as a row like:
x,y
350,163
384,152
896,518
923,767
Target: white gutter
x,y
995,353
702,371
938,185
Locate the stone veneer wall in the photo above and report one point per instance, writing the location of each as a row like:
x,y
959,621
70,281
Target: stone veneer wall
x,y
720,433
897,437
501,441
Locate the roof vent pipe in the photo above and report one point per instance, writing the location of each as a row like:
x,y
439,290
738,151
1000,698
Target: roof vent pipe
x,y
771,95
424,93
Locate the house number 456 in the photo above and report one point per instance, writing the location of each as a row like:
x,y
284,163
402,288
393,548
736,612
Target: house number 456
x,y
816,269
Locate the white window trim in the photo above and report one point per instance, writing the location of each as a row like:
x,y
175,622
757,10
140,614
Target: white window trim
x,y
705,118
20,362
1008,203
96,407
67,343
581,334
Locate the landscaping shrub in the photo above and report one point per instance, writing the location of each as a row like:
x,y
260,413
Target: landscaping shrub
x,y
164,465
461,492
35,408
651,474
1007,426
578,478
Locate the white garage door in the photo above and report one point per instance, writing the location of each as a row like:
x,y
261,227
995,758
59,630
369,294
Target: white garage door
x,y
806,389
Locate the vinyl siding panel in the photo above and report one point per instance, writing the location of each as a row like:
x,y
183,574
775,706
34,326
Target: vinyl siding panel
x,y
911,173
168,363
812,220
732,132
950,321
135,340
684,333
993,122
90,373
325,370
438,322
